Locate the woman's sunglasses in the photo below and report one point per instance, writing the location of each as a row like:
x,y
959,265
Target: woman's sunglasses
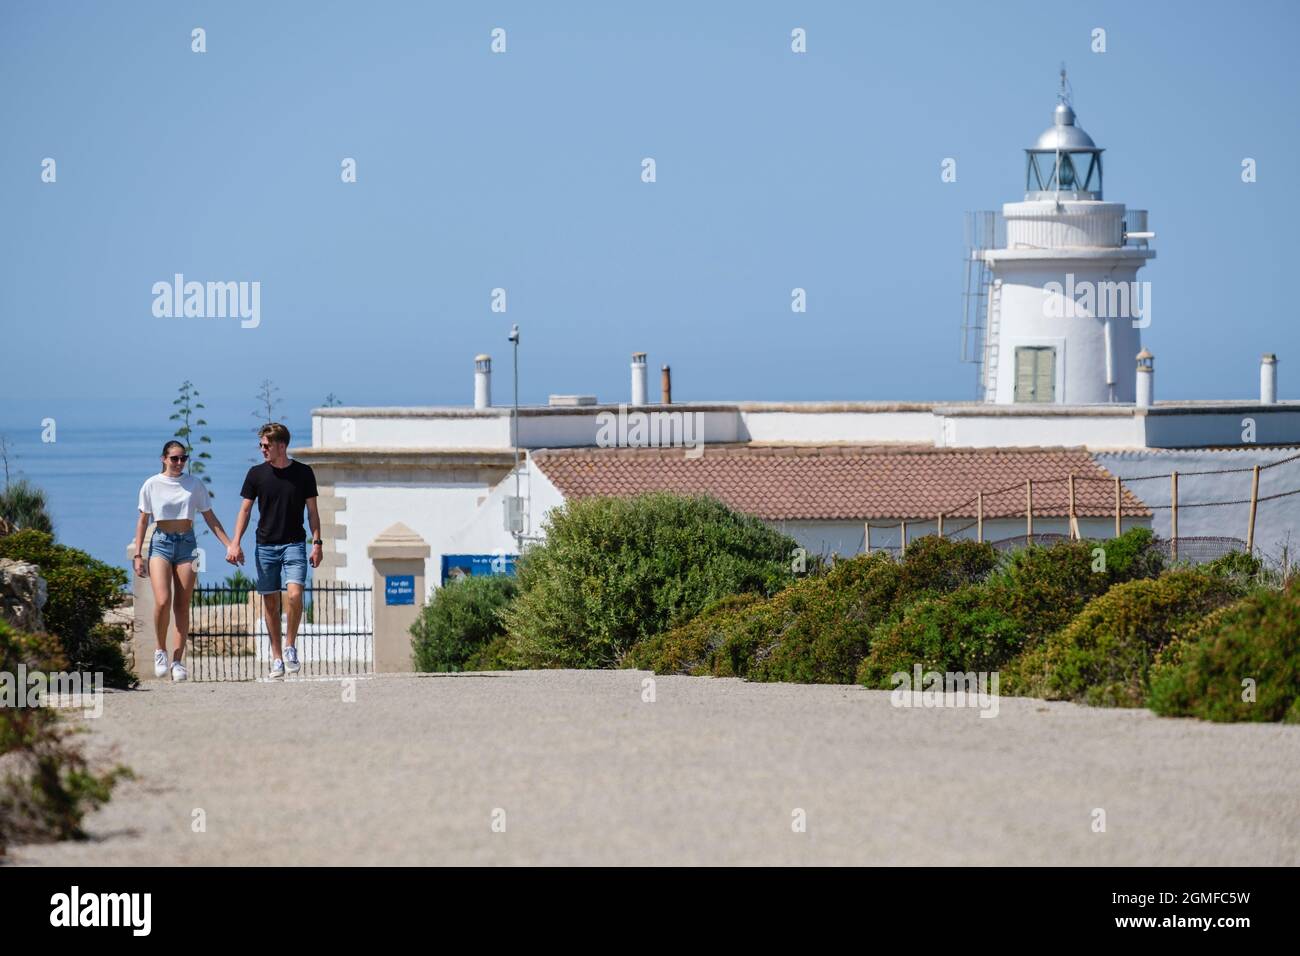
x,y
178,458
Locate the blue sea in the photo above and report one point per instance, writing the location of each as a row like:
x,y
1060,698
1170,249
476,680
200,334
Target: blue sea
x,y
103,452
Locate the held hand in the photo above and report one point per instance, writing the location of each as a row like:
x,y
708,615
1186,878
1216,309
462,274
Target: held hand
x,y
138,565
235,554
316,554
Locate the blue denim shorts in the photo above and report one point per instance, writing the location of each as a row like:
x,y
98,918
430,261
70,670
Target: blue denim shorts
x,y
279,565
178,548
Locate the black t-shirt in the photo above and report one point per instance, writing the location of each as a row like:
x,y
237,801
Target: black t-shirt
x,y
281,494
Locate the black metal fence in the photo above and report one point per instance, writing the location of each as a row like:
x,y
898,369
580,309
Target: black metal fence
x,y
229,639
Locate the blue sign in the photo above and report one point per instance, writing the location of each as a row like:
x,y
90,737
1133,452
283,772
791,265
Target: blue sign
x,y
399,589
476,565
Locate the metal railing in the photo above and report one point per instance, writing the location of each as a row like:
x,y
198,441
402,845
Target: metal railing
x,y
229,639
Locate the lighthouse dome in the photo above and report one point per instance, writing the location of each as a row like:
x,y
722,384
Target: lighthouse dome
x,y
1063,134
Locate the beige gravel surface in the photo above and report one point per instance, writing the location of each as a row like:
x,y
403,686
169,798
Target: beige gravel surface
x,y
583,771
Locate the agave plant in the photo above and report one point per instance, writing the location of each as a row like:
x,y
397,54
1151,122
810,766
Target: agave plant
x,y
23,505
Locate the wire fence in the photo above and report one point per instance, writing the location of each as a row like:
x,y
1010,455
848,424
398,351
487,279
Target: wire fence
x,y
1074,498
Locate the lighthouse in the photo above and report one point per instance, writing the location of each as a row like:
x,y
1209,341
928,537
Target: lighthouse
x,y
1063,308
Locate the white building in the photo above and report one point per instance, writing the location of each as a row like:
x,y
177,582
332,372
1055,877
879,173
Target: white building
x,y
1068,401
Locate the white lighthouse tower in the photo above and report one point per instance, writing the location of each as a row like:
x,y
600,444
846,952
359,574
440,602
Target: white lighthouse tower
x,y
1063,307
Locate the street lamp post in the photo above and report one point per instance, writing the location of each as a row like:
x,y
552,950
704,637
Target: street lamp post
x,y
514,340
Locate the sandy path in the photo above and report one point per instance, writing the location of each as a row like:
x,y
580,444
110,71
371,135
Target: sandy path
x,y
412,771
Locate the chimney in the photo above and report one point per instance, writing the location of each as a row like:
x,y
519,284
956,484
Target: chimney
x,y
666,385
638,378
482,381
1268,379
1146,373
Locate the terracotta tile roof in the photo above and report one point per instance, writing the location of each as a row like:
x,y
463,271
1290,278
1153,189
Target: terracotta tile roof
x,y
848,482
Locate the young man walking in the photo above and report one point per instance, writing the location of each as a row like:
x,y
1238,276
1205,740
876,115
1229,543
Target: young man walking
x,y
282,488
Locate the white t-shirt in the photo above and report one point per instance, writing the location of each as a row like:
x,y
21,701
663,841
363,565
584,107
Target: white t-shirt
x,y
174,499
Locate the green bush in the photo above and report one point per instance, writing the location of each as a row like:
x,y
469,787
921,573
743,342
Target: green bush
x,y
460,620
1234,564
48,786
1105,656
934,565
818,630
993,614
492,656
1258,638
80,590
693,647
1042,589
956,632
614,571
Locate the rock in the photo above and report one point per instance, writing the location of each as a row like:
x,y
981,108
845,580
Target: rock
x,y
22,595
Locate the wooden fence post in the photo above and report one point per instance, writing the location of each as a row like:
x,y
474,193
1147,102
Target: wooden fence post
x,y
1029,511
1118,529
941,524
979,515
867,536
1254,502
902,528
1074,522
1173,498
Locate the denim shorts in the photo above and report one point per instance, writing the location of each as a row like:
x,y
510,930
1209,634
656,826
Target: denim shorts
x,y
279,565
178,548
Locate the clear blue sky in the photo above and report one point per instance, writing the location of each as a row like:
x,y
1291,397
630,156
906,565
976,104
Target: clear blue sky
x,y
522,171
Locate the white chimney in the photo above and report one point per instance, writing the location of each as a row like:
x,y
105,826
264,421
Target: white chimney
x,y
1268,379
638,378
482,381
1146,373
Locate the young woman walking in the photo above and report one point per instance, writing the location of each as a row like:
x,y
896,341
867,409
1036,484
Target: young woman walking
x,y
171,499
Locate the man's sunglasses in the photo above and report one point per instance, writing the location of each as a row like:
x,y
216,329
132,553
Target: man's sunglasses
x,y
263,444
175,458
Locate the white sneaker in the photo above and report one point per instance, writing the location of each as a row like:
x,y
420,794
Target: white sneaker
x,y
291,662
179,673
160,665
277,669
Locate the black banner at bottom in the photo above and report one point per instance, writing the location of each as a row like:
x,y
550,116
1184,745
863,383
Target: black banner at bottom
x,y
336,905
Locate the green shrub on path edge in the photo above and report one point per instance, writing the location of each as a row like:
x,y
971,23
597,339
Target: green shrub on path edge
x,y
615,571
47,786
956,632
460,619
818,629
1255,640
79,590
1104,657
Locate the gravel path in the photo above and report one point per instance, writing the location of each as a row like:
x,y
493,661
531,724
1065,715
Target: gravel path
x,y
712,771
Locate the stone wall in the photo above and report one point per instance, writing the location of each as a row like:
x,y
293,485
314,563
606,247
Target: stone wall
x,y
22,595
